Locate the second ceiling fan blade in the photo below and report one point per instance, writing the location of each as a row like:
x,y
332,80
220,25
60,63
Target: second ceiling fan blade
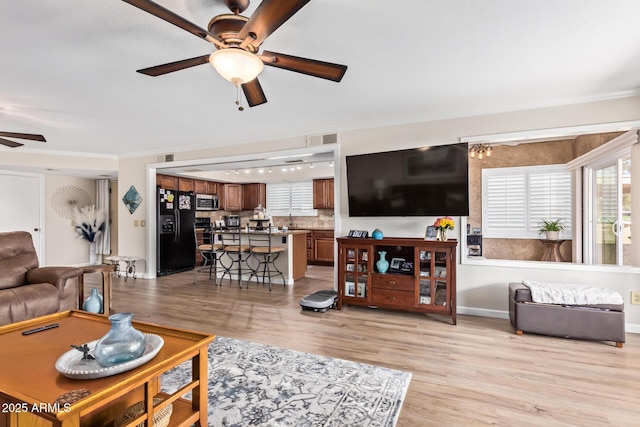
x,y
175,19
159,70
253,92
11,144
310,67
269,15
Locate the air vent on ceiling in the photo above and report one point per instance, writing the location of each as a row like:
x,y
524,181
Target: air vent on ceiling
x,y
164,158
318,140
294,161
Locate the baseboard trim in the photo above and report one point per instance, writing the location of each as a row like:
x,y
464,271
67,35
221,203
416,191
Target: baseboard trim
x,y
632,328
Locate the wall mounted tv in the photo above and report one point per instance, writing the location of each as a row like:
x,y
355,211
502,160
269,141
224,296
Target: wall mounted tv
x,y
428,181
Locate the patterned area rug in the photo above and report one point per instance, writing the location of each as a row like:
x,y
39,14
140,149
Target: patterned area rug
x,y
253,384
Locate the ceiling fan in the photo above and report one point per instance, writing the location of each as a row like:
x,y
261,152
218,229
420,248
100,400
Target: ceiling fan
x,y
237,40
14,144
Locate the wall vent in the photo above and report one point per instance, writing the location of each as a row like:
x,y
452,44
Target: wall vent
x,y
165,158
318,140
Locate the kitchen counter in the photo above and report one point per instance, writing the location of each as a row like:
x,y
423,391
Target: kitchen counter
x,y
292,262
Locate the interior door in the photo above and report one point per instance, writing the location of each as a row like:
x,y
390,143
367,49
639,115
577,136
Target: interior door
x,y
22,206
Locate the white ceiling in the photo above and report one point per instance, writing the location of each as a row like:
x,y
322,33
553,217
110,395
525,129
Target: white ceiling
x,y
68,68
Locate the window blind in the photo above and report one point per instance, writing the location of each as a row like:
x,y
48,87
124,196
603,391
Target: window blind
x,y
515,200
290,198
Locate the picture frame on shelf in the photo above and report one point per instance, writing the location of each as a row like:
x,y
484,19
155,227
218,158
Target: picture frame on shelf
x,y
430,233
350,267
365,256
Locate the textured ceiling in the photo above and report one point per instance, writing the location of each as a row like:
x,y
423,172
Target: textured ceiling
x,y
68,68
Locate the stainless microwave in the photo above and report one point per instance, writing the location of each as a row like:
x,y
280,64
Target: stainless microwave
x,y
207,202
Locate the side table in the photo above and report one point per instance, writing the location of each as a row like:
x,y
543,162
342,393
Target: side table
x,y
130,267
552,250
105,270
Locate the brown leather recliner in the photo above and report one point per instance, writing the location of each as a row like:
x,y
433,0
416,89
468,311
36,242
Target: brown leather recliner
x,y
27,290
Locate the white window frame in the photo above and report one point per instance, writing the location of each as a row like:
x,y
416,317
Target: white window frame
x,y
520,216
303,190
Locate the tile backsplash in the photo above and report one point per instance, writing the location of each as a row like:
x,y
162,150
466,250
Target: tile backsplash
x,y
324,220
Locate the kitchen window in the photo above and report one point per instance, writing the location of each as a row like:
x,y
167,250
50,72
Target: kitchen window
x,y
290,198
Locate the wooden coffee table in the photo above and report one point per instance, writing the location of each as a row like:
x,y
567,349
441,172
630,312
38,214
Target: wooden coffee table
x,y
30,383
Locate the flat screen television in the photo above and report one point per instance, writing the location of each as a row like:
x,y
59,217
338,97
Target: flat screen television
x,y
428,181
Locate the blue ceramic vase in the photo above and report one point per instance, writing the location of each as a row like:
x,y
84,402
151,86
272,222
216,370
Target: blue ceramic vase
x,y
94,302
377,234
122,343
382,265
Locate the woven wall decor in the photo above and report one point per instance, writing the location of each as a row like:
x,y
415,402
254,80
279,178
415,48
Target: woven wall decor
x,y
66,198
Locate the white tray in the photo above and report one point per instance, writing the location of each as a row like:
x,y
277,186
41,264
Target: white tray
x,y
71,365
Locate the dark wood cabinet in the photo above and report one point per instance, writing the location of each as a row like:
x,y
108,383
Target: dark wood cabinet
x,y
167,182
323,194
420,274
205,187
254,194
200,186
323,244
233,197
185,184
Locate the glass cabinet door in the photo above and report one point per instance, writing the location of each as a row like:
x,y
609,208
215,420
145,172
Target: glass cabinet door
x,y
432,277
357,272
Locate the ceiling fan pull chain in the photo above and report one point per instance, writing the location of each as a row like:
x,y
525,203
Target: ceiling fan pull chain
x,y
239,99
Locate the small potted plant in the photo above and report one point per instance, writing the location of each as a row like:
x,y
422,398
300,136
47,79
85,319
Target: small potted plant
x,y
551,228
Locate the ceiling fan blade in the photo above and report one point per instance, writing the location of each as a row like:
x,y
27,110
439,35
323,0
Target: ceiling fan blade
x,y
159,70
253,92
172,18
8,143
29,136
310,67
269,15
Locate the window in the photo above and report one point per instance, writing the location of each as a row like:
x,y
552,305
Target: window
x,y
515,200
290,198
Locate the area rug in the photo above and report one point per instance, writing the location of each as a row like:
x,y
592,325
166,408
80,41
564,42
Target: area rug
x,y
253,384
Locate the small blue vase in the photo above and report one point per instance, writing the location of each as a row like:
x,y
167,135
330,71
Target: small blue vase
x,y
377,234
93,303
382,263
122,343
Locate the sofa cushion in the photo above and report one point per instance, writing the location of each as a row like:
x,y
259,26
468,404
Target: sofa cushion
x,y
17,256
27,302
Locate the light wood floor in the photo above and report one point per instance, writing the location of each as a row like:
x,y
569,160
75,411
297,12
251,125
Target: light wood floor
x,y
476,373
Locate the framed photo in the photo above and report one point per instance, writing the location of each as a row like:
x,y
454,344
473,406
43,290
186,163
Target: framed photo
x,y
430,233
396,263
350,267
365,256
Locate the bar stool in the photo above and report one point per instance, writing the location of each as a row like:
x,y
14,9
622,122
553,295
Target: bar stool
x,y
266,254
234,253
209,253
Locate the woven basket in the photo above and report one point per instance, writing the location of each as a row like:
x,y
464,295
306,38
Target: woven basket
x,y
160,418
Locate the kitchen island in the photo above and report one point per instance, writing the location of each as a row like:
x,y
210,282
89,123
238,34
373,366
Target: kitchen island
x,y
292,262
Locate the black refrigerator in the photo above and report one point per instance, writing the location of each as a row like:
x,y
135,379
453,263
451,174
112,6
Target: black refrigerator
x,y
175,245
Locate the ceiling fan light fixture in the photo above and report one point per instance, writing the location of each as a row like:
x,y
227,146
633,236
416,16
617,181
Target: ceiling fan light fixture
x,y
236,65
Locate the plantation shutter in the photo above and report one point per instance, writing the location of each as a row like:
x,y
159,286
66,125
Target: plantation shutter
x,y
515,200
290,198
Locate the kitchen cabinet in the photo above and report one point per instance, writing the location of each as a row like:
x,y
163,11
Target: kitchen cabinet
x,y
320,244
167,182
420,275
185,184
254,194
233,196
200,186
205,187
323,193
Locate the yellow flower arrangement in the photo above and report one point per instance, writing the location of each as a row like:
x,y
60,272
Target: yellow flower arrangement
x,y
444,223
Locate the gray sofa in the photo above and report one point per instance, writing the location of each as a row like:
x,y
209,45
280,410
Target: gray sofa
x,y
594,322
27,290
